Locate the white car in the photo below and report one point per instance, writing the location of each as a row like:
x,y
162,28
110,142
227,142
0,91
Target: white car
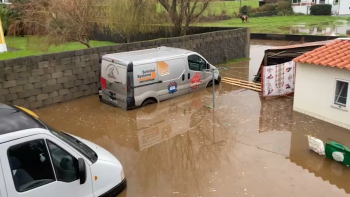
x,y
37,160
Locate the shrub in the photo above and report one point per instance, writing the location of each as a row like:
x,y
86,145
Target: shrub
x,y
321,9
6,16
289,12
284,5
280,13
245,10
267,7
262,14
223,12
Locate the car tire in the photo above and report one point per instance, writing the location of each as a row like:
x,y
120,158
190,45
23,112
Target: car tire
x,y
148,102
210,84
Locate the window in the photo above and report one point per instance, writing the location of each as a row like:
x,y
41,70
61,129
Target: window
x,y
296,1
30,165
341,93
322,1
76,144
196,63
66,166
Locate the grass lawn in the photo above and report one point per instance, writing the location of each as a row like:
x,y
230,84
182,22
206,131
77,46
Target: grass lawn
x,y
23,44
281,24
218,7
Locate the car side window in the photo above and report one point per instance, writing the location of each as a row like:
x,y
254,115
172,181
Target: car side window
x,y
30,165
196,63
66,166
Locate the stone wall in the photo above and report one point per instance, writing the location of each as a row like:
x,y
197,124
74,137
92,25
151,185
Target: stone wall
x,y
38,81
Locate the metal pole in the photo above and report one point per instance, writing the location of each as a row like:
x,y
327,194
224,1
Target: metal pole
x,y
213,90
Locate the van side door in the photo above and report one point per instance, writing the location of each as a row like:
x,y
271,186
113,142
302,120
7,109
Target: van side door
x,y
41,165
197,74
145,82
172,74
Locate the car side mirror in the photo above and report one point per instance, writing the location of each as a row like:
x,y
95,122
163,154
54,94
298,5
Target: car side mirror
x,y
208,66
82,170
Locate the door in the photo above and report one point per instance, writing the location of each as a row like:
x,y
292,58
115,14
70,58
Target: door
x,y
172,75
146,82
114,83
38,166
199,78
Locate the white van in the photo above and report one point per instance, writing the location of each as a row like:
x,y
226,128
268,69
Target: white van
x,y
139,78
37,160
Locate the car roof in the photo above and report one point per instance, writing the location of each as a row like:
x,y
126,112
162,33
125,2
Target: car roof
x,y
147,55
13,119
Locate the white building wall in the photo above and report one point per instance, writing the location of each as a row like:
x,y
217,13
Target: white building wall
x,y
344,7
314,93
301,9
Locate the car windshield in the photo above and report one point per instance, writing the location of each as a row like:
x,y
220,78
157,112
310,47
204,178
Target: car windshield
x,y
76,144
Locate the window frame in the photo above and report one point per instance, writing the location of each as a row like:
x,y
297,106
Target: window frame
x,y
335,92
188,62
53,166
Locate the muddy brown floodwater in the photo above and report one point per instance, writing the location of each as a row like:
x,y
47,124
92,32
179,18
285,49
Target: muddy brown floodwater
x,y
247,146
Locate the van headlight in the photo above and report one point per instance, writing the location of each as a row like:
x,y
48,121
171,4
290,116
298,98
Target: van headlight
x,y
122,174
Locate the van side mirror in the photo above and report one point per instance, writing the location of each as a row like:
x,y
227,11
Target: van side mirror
x,y
82,170
208,66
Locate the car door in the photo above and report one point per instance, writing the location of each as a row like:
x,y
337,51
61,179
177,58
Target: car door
x,y
197,73
171,73
38,166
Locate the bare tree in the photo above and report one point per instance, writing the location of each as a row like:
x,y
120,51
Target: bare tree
x,y
184,12
57,22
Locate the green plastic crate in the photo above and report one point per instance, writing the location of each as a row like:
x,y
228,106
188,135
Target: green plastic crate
x,y
338,152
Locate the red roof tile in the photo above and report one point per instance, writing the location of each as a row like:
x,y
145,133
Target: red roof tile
x,y
334,54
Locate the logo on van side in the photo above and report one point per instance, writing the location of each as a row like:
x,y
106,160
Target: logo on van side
x,y
196,80
172,87
111,68
146,74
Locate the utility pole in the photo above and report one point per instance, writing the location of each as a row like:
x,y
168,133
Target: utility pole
x,y
212,70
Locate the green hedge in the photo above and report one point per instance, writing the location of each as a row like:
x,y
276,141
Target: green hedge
x,y
321,9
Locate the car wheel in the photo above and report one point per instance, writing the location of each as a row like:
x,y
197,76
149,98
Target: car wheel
x,y
210,84
148,102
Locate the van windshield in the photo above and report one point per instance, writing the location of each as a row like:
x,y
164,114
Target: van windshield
x,y
76,144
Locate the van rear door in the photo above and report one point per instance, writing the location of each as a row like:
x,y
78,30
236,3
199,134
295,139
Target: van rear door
x,y
114,82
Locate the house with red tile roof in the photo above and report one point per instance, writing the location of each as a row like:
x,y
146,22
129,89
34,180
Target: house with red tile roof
x,y
322,83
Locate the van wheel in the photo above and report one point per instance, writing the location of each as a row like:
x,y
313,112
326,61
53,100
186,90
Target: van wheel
x,y
210,84
148,102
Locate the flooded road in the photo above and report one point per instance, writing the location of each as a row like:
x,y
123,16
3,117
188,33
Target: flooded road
x,y
248,69
247,146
